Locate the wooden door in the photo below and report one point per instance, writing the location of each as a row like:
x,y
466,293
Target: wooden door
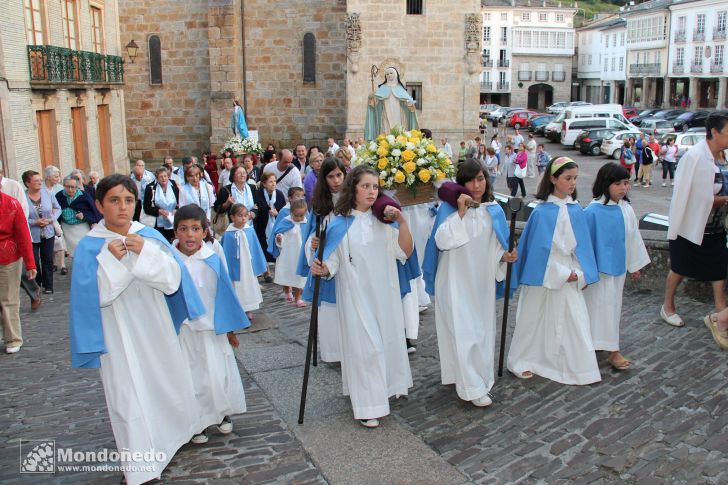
x,y
80,139
46,138
105,137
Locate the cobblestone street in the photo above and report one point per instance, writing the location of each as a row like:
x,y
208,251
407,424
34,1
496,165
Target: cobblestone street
x,y
664,421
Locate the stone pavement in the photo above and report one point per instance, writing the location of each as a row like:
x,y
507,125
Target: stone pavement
x,y
664,421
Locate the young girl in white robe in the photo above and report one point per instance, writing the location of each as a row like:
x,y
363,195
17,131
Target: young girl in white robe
x,y
207,341
556,261
329,181
619,249
285,244
245,259
469,247
361,254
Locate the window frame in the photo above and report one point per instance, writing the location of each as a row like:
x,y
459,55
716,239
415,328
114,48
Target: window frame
x,y
98,45
29,9
66,6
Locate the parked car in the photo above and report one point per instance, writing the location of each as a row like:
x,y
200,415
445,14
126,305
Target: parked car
x,y
644,114
656,126
538,123
557,107
589,142
571,128
630,113
666,114
684,141
612,146
509,113
500,113
521,119
486,109
691,119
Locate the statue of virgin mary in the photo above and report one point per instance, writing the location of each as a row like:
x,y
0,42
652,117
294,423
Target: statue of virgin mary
x,y
389,106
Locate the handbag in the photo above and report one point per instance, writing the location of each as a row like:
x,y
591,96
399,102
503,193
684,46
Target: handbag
x,y
520,172
220,222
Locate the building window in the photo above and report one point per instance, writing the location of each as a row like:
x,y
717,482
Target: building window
x,y
34,12
606,41
543,17
639,55
97,30
504,34
560,40
486,17
589,59
560,17
621,64
613,62
486,33
700,23
70,24
309,58
698,55
680,56
414,7
155,60
504,16
621,39
415,90
681,22
526,16
614,40
606,64
720,23
718,59
526,42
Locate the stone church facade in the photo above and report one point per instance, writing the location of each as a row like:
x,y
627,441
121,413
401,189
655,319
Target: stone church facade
x,y
301,69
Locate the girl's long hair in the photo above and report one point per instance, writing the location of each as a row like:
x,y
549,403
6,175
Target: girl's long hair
x,y
470,169
609,173
322,201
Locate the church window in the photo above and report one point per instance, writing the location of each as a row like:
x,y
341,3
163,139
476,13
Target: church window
x,y
309,58
415,90
414,7
155,60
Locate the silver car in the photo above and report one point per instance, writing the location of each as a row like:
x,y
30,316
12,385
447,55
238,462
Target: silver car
x,y
655,126
684,141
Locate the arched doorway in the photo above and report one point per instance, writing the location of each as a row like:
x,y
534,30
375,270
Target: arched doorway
x,y
540,96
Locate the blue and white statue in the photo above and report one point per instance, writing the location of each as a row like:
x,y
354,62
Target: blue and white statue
x,y
389,106
237,120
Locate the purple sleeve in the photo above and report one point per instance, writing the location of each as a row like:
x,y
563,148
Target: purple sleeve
x,y
309,183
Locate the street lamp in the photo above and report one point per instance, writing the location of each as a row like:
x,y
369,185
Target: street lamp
x,y
131,50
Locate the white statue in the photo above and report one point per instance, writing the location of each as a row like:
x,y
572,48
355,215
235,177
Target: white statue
x,y
391,105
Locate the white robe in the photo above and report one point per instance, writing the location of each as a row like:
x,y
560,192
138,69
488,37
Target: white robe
x,y
287,260
604,298
146,379
328,316
215,375
552,337
465,315
420,220
248,288
374,363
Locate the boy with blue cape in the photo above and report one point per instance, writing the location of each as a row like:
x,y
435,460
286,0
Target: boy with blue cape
x,y
129,295
556,262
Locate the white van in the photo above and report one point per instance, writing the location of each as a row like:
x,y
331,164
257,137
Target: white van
x,y
571,128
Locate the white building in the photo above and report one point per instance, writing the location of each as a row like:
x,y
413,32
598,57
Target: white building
x,y
614,65
600,60
495,80
698,70
61,99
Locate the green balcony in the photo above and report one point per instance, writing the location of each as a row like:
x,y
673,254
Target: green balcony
x,y
51,65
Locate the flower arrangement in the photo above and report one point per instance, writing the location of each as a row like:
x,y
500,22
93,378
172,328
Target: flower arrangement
x,y
406,159
245,145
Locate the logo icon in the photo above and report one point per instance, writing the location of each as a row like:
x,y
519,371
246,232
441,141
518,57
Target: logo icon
x,y
37,456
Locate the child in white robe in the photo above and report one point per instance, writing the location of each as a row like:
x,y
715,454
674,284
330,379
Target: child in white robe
x,y
363,262
285,245
472,245
556,261
207,341
130,330
619,249
245,245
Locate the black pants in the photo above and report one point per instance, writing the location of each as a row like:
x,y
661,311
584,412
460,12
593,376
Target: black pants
x,y
137,210
637,167
668,168
43,255
513,184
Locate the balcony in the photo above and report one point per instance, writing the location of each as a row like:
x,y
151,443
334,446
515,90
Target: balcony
x,y
486,86
51,65
503,87
719,33
524,75
696,67
487,62
717,68
678,68
558,76
680,36
504,63
542,75
698,35
645,68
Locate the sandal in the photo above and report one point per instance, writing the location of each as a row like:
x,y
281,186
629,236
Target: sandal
x,y
623,364
524,375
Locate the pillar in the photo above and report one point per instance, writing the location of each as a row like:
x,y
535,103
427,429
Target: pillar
x,y
694,92
722,85
666,92
601,92
629,95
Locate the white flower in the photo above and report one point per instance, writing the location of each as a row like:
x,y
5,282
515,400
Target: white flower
x,y
410,145
394,170
421,151
373,146
391,139
408,134
441,155
383,174
421,161
396,152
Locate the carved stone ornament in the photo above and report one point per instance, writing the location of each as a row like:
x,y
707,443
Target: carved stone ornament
x,y
472,32
353,32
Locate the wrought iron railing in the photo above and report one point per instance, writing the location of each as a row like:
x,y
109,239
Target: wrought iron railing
x,y
653,68
678,68
542,75
680,36
717,68
719,33
558,76
696,67
504,63
698,35
486,86
504,86
524,75
52,64
487,62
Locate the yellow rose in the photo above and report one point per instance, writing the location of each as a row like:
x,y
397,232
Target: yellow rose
x,y
408,155
382,182
399,177
383,150
440,174
381,138
424,175
382,163
431,148
401,139
409,167
414,140
416,133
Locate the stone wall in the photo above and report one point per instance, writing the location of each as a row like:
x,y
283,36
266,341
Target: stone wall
x,y
562,89
432,51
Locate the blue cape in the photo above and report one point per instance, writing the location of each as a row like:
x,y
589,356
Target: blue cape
x,y
231,248
432,254
606,228
536,239
229,315
85,329
303,269
281,226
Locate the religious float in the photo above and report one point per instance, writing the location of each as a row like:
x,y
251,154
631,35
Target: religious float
x,y
242,146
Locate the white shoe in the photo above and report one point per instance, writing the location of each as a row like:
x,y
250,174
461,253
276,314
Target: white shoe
x,y
369,423
664,184
12,350
672,184
422,308
226,426
199,439
482,402
635,184
673,319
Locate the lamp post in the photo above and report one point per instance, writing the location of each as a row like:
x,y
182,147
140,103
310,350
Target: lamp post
x,y
131,50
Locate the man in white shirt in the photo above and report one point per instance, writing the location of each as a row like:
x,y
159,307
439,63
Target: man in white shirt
x,y
287,175
13,189
141,177
347,145
446,147
333,147
517,140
